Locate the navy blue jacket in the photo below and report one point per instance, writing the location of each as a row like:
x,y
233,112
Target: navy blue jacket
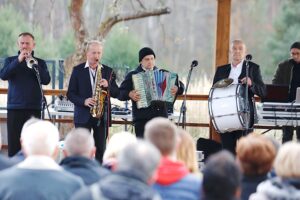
x,y
142,113
23,89
80,89
89,170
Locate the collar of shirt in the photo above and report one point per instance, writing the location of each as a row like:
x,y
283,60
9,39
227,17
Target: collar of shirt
x,y
236,71
39,162
87,65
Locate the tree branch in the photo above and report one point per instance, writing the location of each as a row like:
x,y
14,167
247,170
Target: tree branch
x,y
106,26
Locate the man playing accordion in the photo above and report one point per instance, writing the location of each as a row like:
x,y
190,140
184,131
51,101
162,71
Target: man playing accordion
x,y
142,115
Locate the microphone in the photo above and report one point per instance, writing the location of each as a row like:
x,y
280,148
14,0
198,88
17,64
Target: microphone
x,y
194,63
248,57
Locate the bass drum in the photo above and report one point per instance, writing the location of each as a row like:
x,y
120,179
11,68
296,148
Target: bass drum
x,y
226,106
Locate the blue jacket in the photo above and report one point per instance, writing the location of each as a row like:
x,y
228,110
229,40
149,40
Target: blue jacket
x,y
89,170
80,89
24,90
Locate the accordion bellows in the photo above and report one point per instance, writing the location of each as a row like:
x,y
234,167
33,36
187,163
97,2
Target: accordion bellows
x,y
154,85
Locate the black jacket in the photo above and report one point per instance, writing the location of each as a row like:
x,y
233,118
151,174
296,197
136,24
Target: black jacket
x,y
143,113
24,90
89,170
80,88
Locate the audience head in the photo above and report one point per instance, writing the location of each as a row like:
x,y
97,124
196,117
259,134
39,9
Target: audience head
x,y
186,151
39,137
115,145
141,159
163,134
287,162
221,177
255,154
79,142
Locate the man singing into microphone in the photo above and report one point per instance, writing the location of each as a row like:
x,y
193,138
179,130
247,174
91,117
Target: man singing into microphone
x,y
143,115
236,70
24,97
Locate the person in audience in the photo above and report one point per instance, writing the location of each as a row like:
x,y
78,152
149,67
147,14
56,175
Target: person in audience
x,y
135,172
115,145
287,73
286,186
38,176
255,154
221,177
4,161
187,153
79,151
174,181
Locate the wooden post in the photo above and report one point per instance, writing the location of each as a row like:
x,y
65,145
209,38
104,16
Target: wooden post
x,y
222,43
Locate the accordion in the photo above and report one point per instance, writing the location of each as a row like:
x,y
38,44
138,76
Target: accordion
x,y
154,85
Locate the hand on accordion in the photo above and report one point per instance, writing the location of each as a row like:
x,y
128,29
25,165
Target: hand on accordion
x,y
174,90
134,95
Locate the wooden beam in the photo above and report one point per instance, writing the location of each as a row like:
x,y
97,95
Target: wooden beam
x,y
222,43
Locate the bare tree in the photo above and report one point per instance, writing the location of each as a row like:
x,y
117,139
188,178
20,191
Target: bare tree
x,y
106,24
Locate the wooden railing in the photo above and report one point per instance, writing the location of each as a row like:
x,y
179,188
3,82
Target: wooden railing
x,y
189,97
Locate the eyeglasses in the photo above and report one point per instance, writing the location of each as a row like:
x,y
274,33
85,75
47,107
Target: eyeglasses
x,y
295,53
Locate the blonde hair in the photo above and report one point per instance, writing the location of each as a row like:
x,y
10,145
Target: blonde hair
x,y
91,42
256,154
186,151
117,143
287,163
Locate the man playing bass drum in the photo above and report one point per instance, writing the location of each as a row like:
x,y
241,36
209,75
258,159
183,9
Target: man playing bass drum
x,y
236,70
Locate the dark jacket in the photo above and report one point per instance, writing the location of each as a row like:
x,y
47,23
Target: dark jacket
x,y
283,73
119,186
80,89
142,113
249,185
258,87
89,170
24,90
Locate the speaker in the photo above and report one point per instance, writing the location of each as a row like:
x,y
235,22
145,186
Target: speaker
x,y
208,147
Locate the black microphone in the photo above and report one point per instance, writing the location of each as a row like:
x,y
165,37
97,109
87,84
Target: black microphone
x,y
248,57
194,63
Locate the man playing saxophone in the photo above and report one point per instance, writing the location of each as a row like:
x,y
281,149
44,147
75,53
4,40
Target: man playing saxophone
x,y
24,97
90,87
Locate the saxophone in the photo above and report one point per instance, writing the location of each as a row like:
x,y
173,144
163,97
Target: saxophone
x,y
99,95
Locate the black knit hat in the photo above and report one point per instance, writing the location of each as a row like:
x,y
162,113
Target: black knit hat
x,y
145,52
295,45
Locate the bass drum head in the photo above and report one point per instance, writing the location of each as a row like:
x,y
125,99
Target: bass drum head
x,y
226,106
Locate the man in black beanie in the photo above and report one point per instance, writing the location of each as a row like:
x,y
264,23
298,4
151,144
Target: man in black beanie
x,y
288,73
143,115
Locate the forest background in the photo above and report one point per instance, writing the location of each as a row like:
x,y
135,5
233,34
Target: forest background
x,y
185,31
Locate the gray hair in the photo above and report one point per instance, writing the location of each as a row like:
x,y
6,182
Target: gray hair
x,y
39,138
141,158
79,142
163,134
91,42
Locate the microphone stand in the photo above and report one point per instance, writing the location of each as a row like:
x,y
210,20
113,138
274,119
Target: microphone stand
x,y
247,111
44,101
183,105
